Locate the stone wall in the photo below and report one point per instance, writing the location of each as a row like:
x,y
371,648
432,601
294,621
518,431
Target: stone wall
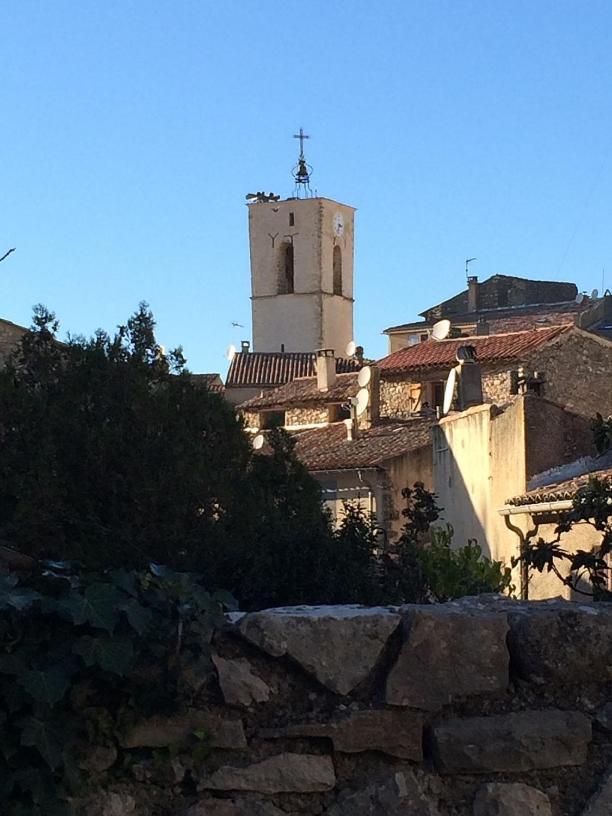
x,y
474,708
496,385
306,416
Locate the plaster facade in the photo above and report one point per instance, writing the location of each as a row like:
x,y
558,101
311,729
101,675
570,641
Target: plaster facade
x,y
306,309
485,455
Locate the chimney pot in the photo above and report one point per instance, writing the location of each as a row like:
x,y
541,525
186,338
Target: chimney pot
x,y
326,369
245,345
472,293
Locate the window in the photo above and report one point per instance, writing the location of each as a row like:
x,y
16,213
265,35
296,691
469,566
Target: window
x,y
336,412
285,278
292,219
337,270
271,419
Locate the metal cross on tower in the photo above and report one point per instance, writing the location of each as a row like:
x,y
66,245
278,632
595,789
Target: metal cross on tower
x,y
301,172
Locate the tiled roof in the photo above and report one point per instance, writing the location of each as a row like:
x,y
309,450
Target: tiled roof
x,y
304,391
212,382
272,368
520,317
489,349
561,490
329,449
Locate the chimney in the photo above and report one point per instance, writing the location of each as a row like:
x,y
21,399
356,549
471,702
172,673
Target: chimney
x,y
470,378
472,293
245,346
482,327
326,369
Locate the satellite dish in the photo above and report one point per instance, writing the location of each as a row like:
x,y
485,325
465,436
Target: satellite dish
x,y
258,442
594,294
351,348
579,298
364,376
449,391
230,352
441,329
362,400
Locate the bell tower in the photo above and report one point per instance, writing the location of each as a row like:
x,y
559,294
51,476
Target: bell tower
x,y
301,268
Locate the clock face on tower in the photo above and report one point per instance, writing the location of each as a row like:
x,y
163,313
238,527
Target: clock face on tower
x,y
338,224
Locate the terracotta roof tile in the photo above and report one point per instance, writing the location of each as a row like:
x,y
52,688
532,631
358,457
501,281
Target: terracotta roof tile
x,y
561,490
212,382
304,391
489,349
329,449
271,368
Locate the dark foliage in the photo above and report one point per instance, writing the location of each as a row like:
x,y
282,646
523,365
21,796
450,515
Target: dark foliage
x,y
83,657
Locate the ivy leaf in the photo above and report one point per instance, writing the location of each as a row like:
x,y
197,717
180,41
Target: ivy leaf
x,y
222,596
46,738
46,685
37,784
112,654
11,664
98,606
18,597
140,617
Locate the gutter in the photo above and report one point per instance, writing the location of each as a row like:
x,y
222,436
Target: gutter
x,y
537,507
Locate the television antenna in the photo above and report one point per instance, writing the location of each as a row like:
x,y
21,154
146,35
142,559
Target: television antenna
x,y
230,352
441,330
364,376
468,261
449,391
351,348
258,442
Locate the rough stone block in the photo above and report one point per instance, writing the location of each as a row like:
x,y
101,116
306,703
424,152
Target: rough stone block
x,y
283,773
338,645
239,686
448,653
561,642
511,742
254,806
399,794
396,733
600,803
511,799
160,732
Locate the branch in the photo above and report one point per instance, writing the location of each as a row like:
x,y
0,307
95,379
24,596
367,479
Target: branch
x,y
6,254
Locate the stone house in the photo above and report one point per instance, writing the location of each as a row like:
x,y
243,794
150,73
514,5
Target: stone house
x,y
10,335
353,457
537,512
506,303
253,373
565,364
486,455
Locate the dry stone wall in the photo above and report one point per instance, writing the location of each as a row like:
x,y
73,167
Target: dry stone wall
x,y
483,707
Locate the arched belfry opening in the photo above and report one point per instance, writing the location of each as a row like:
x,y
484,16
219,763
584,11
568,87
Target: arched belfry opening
x,y
286,272
337,267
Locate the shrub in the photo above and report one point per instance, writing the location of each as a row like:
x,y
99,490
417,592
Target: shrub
x,y
81,655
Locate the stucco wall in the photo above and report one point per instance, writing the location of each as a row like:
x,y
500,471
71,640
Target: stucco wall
x,y
484,456
300,321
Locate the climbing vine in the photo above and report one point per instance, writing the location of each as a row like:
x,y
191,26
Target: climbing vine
x,y
82,654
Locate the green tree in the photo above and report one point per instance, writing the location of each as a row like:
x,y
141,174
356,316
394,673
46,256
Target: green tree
x,y
110,454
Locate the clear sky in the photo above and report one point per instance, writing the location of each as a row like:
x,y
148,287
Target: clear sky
x,y
132,129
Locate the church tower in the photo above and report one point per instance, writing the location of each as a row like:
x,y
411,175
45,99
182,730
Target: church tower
x,y
301,269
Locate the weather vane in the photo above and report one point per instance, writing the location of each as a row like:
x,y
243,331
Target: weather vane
x,y
302,171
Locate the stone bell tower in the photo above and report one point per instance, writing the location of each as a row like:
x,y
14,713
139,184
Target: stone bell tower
x,y
301,268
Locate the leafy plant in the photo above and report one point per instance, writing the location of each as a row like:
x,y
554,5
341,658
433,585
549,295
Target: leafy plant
x,y
81,655
422,566
602,433
589,570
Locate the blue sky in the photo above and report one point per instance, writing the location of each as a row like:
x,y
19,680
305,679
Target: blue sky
x,y
132,130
